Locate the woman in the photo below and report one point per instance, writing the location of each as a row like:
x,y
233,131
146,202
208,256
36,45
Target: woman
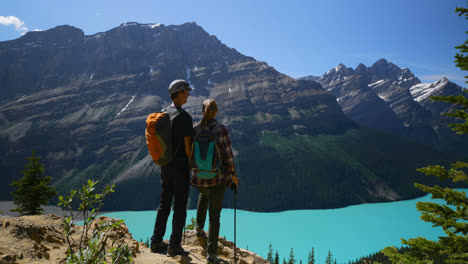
x,y
212,183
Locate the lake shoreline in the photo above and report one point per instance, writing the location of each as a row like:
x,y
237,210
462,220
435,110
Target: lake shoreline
x,y
6,206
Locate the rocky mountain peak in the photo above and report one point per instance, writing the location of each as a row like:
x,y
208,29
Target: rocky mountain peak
x,y
382,69
132,48
360,69
443,79
422,91
56,34
336,74
340,67
385,70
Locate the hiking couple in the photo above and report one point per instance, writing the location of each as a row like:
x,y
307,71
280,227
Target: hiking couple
x,y
175,176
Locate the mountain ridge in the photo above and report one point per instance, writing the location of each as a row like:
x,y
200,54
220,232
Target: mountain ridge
x,y
403,106
82,104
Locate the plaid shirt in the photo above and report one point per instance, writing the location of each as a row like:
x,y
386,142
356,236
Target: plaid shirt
x,y
227,158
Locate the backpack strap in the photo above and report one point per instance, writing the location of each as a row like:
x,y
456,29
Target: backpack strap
x,y
172,111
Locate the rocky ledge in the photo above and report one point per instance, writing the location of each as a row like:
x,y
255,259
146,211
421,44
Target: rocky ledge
x,y
41,239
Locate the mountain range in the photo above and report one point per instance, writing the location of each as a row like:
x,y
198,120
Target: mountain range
x,y
389,98
81,102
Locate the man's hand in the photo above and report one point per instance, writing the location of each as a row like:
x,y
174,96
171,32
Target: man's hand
x,y
188,146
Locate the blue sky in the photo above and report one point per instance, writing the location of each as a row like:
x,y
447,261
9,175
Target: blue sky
x,y
298,38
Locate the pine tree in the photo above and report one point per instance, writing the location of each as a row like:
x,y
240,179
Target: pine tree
x,y
453,220
311,259
284,261
270,255
329,258
291,259
277,257
32,190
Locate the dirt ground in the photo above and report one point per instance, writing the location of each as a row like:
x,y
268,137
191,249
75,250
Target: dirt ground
x,y
6,206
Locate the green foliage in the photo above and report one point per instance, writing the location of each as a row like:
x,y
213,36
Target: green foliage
x,y
91,247
32,190
291,259
277,257
459,114
380,258
453,217
193,224
311,258
329,259
460,59
331,170
270,255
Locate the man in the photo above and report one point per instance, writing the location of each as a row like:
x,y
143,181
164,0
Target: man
x,y
175,175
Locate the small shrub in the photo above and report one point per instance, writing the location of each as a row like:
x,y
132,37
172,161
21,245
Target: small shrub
x,y
91,248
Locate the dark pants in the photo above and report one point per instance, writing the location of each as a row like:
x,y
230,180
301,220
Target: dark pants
x,y
212,197
174,183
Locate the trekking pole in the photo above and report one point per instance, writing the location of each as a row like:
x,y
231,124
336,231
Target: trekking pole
x,y
235,208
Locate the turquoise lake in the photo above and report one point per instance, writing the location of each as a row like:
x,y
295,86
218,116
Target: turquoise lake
x,y
349,232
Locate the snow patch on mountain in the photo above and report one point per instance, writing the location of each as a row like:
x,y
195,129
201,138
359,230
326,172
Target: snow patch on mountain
x,y
401,80
125,108
127,24
383,96
21,98
422,91
339,67
376,84
188,74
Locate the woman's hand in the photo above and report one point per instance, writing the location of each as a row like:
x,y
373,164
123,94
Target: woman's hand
x,y
235,180
234,184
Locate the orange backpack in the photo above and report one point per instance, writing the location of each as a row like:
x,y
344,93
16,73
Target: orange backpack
x,y
159,135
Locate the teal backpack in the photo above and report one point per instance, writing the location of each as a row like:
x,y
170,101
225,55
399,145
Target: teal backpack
x,y
206,158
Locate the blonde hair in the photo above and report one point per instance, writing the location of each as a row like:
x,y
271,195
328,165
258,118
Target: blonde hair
x,y
209,111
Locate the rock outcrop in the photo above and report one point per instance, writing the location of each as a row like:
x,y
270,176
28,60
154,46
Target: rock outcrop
x,y
41,239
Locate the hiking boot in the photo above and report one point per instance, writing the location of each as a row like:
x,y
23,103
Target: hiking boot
x,y
174,251
213,259
160,247
201,233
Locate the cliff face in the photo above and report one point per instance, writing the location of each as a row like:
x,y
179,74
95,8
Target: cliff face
x,y
81,101
40,239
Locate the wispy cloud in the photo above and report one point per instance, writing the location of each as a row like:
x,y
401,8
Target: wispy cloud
x,y
14,21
